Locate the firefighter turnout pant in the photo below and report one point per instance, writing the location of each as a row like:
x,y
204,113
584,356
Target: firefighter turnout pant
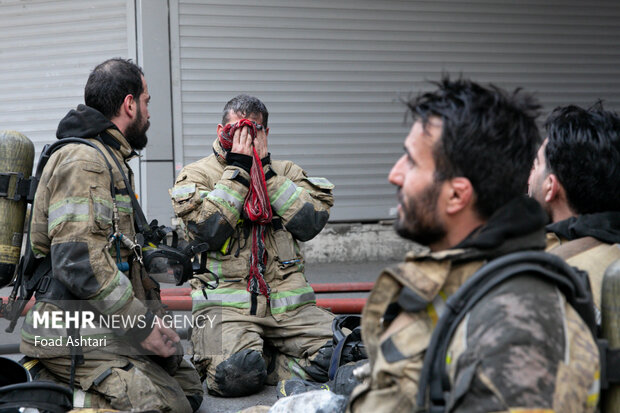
x,y
108,381
238,353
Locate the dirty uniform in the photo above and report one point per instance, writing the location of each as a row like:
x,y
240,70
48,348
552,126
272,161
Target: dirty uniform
x,y
71,224
589,242
209,196
521,347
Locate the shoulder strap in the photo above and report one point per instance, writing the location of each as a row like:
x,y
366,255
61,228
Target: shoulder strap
x,y
48,150
154,234
141,224
571,248
434,381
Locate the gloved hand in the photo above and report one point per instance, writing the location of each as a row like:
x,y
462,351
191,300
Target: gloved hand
x,y
171,363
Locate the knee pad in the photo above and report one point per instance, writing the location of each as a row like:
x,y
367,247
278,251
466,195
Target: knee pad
x,y
242,374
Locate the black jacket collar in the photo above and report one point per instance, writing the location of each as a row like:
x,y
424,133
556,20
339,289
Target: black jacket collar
x,y
518,225
86,122
604,226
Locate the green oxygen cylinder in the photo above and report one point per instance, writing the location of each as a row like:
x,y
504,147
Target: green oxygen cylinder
x,y
610,323
16,158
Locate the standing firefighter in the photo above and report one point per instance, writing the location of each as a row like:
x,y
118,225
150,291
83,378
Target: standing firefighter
x,y
82,229
252,211
461,185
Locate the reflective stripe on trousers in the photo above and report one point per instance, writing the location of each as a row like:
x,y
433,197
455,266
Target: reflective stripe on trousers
x,y
221,297
280,302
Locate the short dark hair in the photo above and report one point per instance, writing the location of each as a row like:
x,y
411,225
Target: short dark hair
x,y
583,151
245,105
489,137
110,82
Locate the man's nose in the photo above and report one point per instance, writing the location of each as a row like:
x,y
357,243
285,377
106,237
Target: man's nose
x,y
396,174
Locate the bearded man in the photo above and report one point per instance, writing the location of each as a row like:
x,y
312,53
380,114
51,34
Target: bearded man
x,y
83,231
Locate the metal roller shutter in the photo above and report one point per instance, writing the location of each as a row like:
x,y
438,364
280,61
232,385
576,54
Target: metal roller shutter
x,y
47,50
332,72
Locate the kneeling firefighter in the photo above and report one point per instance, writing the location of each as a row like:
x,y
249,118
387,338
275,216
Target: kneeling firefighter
x,y
88,249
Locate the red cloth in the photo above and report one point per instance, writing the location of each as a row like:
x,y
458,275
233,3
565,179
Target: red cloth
x,y
256,206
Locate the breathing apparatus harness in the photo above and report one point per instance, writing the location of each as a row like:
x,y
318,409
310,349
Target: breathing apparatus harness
x,y
434,386
150,246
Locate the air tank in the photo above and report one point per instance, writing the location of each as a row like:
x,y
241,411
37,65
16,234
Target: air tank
x,y
16,159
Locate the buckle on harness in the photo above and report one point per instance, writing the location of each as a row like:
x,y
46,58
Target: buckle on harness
x,y
44,285
22,188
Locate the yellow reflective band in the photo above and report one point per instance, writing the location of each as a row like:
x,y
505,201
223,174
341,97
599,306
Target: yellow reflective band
x,y
322,183
183,191
592,400
593,393
224,248
30,364
432,313
435,308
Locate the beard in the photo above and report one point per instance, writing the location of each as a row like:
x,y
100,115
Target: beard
x,y
136,133
418,221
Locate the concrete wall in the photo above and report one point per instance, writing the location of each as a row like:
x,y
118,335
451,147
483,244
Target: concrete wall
x,y
357,242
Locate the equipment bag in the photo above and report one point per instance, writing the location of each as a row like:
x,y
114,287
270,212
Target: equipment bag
x,y
17,391
43,395
347,347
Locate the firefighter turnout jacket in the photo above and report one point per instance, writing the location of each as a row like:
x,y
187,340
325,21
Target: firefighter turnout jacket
x,y
72,222
209,196
590,242
521,347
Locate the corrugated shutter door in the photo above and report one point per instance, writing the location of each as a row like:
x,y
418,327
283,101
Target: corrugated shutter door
x,y
47,50
332,72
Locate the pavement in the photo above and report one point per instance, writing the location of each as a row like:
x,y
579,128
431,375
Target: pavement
x,y
316,273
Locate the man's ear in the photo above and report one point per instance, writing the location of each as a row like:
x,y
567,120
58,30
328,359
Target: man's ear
x,y
129,106
266,131
552,188
460,194
220,128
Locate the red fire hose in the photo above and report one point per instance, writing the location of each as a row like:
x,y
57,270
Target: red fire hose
x,y
318,288
179,298
335,305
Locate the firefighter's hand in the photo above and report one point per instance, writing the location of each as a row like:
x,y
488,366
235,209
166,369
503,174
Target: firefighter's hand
x,y
260,143
242,142
162,340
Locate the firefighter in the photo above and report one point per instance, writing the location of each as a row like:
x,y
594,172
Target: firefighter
x,y
461,190
83,230
576,178
253,211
